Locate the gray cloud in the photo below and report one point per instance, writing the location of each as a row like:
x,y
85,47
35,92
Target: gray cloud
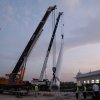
x,y
72,5
85,35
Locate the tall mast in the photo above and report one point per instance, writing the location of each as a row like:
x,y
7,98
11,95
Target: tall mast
x,y
55,82
49,48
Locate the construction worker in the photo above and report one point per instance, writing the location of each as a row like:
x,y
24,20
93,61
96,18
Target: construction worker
x,y
33,89
36,90
77,92
84,91
96,91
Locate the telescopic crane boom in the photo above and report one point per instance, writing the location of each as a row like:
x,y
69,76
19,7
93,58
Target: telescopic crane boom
x,y
30,45
49,48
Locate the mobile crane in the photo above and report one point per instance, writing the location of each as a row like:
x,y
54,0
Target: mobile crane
x,y
44,84
49,48
15,79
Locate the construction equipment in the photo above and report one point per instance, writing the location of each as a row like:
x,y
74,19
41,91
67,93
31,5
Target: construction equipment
x,y
16,76
49,48
44,84
55,82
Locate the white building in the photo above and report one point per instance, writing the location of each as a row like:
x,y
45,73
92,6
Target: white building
x,y
90,77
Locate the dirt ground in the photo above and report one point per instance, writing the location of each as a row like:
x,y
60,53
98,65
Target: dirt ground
x,y
43,96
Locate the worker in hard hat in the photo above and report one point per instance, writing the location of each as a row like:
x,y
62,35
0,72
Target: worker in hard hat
x,y
84,91
96,91
36,90
77,92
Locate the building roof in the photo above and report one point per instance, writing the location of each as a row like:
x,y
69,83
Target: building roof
x,y
80,75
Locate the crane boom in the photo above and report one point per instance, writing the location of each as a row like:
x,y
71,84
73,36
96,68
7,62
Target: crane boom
x,y
49,48
30,44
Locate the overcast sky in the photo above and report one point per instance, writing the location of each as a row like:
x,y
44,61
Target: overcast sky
x,y
19,19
